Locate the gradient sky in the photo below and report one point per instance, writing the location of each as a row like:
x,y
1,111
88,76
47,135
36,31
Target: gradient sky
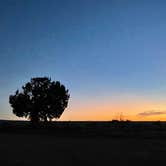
x,y
110,54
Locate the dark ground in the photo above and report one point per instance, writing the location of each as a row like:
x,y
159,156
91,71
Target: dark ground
x,y
86,143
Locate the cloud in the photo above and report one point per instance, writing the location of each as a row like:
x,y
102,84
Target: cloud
x,y
152,112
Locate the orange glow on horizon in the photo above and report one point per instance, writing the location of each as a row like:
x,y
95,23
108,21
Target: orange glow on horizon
x,y
104,111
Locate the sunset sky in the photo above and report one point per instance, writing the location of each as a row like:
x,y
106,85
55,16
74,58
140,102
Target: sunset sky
x,y
110,54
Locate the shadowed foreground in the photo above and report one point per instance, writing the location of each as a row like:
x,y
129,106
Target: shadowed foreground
x,y
36,147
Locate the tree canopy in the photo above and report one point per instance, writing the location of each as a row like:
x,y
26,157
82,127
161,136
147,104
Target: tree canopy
x,y
40,100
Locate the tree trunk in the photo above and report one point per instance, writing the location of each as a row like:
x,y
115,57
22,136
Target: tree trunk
x,y
34,118
45,119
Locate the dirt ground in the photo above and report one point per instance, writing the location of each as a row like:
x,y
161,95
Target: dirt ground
x,y
34,149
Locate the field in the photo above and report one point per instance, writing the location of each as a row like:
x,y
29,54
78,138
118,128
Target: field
x,y
83,143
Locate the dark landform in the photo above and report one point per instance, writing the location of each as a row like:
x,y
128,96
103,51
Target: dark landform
x,y
82,143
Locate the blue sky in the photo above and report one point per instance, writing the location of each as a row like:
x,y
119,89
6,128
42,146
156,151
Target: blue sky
x,y
99,49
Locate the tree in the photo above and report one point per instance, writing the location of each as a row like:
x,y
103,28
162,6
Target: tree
x,y
40,100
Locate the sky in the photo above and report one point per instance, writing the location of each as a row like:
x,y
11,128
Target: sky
x,y
110,54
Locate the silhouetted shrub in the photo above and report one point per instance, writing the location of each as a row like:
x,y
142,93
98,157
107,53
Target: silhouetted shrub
x,y
40,100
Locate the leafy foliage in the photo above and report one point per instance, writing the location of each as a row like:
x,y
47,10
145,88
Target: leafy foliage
x,y
40,100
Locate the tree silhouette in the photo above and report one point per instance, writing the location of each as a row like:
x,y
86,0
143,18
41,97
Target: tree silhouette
x,y
40,100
